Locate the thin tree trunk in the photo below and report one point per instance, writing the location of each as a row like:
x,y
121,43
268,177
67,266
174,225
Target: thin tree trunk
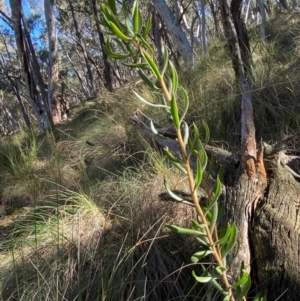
x,y
107,73
53,70
84,52
178,37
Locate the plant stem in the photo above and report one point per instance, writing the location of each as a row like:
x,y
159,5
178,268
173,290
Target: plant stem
x,y
199,210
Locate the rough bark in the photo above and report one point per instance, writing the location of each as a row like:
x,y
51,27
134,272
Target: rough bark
x,y
175,30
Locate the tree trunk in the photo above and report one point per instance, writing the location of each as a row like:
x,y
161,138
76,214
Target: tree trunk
x,y
175,30
107,67
84,52
53,71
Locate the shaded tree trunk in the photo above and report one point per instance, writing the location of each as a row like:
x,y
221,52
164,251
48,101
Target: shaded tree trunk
x,y
53,70
84,52
107,72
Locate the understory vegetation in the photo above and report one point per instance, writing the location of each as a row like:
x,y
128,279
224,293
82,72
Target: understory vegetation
x,y
80,212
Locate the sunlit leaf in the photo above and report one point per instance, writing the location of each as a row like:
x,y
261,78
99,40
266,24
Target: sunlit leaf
x,y
118,32
200,255
137,20
199,173
207,132
147,28
185,231
115,56
185,104
185,133
174,112
174,77
166,60
146,45
152,65
147,102
202,279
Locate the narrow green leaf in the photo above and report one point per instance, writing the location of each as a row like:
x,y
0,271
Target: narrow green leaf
x,y
200,255
230,241
137,20
196,225
217,190
171,157
224,234
153,129
166,60
204,241
128,26
214,217
207,132
217,286
199,173
174,78
112,5
202,279
118,32
185,104
180,167
115,56
146,45
204,159
147,102
243,279
185,231
146,80
137,65
196,138
185,133
174,112
152,65
147,28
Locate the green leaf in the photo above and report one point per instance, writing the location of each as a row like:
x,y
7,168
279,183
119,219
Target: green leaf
x,y
115,56
137,65
200,255
185,133
227,298
112,5
153,129
147,28
180,167
202,279
152,65
199,173
207,132
214,217
196,138
204,241
146,80
128,26
244,283
147,102
166,60
146,44
224,236
113,27
226,248
174,112
171,157
217,286
185,231
174,78
185,103
137,20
